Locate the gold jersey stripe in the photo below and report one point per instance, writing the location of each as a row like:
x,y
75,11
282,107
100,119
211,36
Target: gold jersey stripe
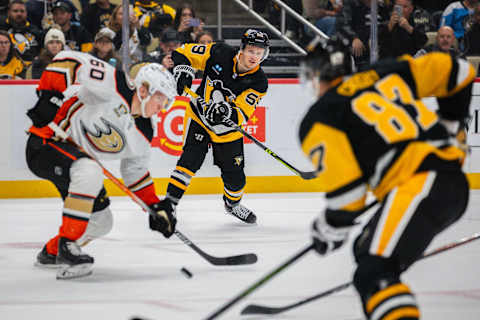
x,y
76,204
402,313
177,184
403,199
385,294
185,170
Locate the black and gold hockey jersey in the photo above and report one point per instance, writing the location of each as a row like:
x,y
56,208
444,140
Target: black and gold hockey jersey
x,y
372,131
222,82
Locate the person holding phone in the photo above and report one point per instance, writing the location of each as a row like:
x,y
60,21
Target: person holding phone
x,y
401,35
187,24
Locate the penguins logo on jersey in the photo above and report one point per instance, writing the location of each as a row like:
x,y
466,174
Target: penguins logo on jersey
x,y
105,138
214,89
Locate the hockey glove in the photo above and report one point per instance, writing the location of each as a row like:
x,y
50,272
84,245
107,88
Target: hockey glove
x,y
44,111
326,237
184,75
165,220
217,111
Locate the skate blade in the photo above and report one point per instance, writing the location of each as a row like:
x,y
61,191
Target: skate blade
x,y
77,271
48,266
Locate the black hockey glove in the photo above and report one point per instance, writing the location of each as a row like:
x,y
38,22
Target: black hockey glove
x,y
216,112
44,111
184,75
326,237
165,220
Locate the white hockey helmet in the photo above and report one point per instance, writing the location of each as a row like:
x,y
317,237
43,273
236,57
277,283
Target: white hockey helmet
x,y
156,78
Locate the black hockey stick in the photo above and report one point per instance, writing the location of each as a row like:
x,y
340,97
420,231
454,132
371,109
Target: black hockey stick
x,y
259,283
259,309
307,175
248,258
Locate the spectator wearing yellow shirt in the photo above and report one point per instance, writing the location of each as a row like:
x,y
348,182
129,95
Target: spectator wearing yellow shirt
x,y
154,15
11,65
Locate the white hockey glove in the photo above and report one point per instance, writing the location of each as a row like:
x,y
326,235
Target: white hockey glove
x,y
217,111
184,75
326,237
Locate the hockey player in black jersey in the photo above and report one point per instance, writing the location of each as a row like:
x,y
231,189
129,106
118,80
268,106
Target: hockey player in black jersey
x,y
233,83
370,131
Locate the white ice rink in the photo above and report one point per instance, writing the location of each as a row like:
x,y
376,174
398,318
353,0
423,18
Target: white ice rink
x,y
137,271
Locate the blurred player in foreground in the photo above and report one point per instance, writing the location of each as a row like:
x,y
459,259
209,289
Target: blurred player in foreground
x,y
370,131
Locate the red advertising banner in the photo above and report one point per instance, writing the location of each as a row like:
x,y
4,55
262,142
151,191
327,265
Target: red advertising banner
x,y
170,127
256,125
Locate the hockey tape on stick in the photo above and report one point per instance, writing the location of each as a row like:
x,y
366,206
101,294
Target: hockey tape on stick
x,y
248,258
259,309
307,175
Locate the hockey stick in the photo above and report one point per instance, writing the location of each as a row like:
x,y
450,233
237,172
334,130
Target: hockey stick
x,y
259,283
259,309
272,273
307,175
248,258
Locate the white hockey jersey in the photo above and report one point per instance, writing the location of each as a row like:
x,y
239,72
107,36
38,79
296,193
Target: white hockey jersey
x,y
97,113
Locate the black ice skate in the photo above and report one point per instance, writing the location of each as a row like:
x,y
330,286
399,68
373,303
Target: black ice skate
x,y
241,212
76,263
47,260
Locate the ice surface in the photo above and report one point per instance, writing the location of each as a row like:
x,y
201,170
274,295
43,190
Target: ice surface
x,y
137,272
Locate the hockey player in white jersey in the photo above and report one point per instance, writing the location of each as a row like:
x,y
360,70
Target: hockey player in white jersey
x,y
108,116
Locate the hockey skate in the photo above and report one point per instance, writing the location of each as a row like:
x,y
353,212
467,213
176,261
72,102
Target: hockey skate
x,y
76,263
46,260
241,212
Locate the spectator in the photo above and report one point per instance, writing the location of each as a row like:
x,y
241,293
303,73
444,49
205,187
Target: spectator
x,y
96,15
103,47
205,37
24,36
401,35
187,24
140,37
36,13
472,37
76,36
455,16
11,65
323,14
355,17
445,42
169,41
54,42
154,15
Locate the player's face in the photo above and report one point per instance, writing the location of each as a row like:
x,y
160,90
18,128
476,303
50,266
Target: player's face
x,y
155,104
251,56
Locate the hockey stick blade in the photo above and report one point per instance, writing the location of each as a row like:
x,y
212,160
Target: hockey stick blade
x,y
248,258
259,309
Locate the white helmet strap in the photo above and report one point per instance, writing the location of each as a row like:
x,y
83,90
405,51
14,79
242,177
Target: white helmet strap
x,y
143,102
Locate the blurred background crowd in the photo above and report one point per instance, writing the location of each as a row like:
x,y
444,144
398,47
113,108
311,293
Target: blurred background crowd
x,y
32,32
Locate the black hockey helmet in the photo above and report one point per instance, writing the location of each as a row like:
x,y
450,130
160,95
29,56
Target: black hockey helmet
x,y
327,59
256,38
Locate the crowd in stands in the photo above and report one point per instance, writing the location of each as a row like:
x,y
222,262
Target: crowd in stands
x,y
32,32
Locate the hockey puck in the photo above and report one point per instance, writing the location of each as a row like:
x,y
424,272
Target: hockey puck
x,y
187,273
